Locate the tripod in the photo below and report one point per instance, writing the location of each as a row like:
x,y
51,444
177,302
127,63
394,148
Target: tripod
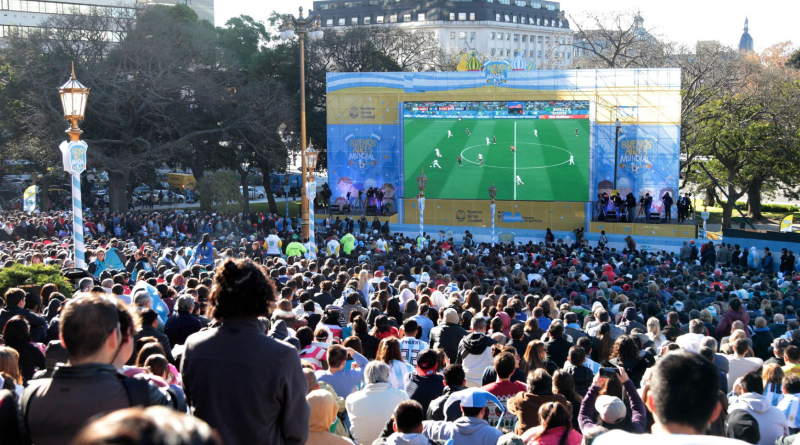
x,y
640,213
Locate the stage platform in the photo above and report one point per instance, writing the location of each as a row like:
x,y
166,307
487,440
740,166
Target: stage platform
x,y
683,230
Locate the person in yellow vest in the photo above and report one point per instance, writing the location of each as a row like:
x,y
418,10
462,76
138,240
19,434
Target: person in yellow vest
x,y
333,247
348,243
295,248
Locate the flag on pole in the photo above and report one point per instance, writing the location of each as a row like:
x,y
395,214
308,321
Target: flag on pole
x,y
786,224
29,198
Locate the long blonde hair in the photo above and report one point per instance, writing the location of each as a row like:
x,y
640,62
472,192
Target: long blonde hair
x,y
9,363
363,277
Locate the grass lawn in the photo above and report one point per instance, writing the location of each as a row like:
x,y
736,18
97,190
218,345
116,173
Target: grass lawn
x,y
551,160
715,215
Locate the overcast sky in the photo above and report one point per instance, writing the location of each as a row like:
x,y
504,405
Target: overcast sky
x,y
684,21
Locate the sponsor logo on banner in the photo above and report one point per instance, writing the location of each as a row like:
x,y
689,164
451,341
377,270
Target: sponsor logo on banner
x,y
29,198
77,156
506,237
508,217
461,216
496,72
362,150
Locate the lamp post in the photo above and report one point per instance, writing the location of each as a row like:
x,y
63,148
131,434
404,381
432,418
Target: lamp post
x,y
310,160
302,26
422,182
619,131
286,192
492,194
73,99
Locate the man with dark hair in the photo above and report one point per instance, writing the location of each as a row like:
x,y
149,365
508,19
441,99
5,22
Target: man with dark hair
x,y
684,400
503,388
471,428
518,338
575,367
572,328
150,329
448,334
672,330
15,305
55,409
342,380
791,355
406,425
738,364
423,321
556,346
410,347
772,422
455,381
475,352
790,404
239,380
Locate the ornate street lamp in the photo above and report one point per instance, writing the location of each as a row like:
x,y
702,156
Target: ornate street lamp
x,y
302,26
73,154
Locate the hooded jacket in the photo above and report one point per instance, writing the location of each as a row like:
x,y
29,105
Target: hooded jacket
x,y
370,408
475,354
727,319
447,336
436,408
772,422
526,406
323,414
464,430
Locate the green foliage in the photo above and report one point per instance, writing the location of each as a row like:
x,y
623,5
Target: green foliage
x,y
774,208
794,60
18,275
221,187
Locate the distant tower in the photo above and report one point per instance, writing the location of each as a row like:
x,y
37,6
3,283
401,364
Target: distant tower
x,y
746,42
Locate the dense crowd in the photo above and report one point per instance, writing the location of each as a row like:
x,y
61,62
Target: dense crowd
x,y
231,329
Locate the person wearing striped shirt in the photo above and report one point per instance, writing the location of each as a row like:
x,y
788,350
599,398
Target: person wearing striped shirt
x,y
410,347
790,405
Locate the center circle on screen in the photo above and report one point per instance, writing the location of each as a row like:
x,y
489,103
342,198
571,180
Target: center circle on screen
x,y
485,164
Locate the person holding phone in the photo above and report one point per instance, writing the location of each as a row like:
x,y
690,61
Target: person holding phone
x,y
609,411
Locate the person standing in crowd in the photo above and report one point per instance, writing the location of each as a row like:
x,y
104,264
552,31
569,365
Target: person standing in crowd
x,y
236,378
370,408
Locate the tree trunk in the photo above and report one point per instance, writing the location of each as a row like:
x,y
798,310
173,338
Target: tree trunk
x,y
245,191
44,187
727,213
199,163
117,187
754,201
265,169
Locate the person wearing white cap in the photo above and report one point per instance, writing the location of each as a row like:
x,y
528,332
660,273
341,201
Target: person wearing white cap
x,y
471,428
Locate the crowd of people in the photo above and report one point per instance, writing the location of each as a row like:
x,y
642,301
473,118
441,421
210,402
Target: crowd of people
x,y
233,330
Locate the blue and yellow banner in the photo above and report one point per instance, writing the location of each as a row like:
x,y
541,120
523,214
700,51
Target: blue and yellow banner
x,y
787,223
29,198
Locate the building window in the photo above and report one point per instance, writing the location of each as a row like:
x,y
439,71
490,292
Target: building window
x,y
504,2
393,18
508,36
520,3
507,18
492,36
452,35
354,20
421,17
341,21
472,16
462,35
329,22
514,19
406,17
539,55
536,5
462,15
471,36
452,16
524,39
378,19
367,20
497,17
492,52
522,19
516,37
508,52
551,7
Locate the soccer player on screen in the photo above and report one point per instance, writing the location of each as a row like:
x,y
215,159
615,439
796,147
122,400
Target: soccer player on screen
x,y
536,133
467,131
519,181
571,160
438,155
513,149
480,159
449,134
487,141
576,131
459,161
436,164
494,140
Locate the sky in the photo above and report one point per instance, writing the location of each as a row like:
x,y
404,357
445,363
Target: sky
x,y
683,21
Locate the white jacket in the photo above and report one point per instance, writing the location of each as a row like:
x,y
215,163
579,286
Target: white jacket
x,y
474,365
690,342
370,409
772,422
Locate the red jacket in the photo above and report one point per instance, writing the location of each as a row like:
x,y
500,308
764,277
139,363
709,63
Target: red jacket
x,y
727,319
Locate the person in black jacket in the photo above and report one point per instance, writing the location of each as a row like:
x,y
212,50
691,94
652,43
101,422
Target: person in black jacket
x,y
448,334
424,384
672,331
17,336
15,305
149,324
556,346
455,379
182,324
582,375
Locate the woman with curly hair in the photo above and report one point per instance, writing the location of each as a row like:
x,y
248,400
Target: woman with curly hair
x,y
232,374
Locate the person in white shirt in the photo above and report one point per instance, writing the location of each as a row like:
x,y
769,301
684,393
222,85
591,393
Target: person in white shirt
x,y
370,408
180,259
772,422
410,347
273,244
381,243
333,247
693,341
739,365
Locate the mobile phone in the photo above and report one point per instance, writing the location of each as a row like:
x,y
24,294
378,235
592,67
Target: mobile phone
x,y
608,373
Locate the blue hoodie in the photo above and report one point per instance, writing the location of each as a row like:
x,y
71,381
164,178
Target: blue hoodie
x,y
464,430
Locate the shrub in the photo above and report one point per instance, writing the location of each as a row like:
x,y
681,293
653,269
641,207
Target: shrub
x,y
19,275
221,187
774,208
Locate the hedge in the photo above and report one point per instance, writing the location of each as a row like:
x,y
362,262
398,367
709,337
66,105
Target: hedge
x,y
19,275
774,208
